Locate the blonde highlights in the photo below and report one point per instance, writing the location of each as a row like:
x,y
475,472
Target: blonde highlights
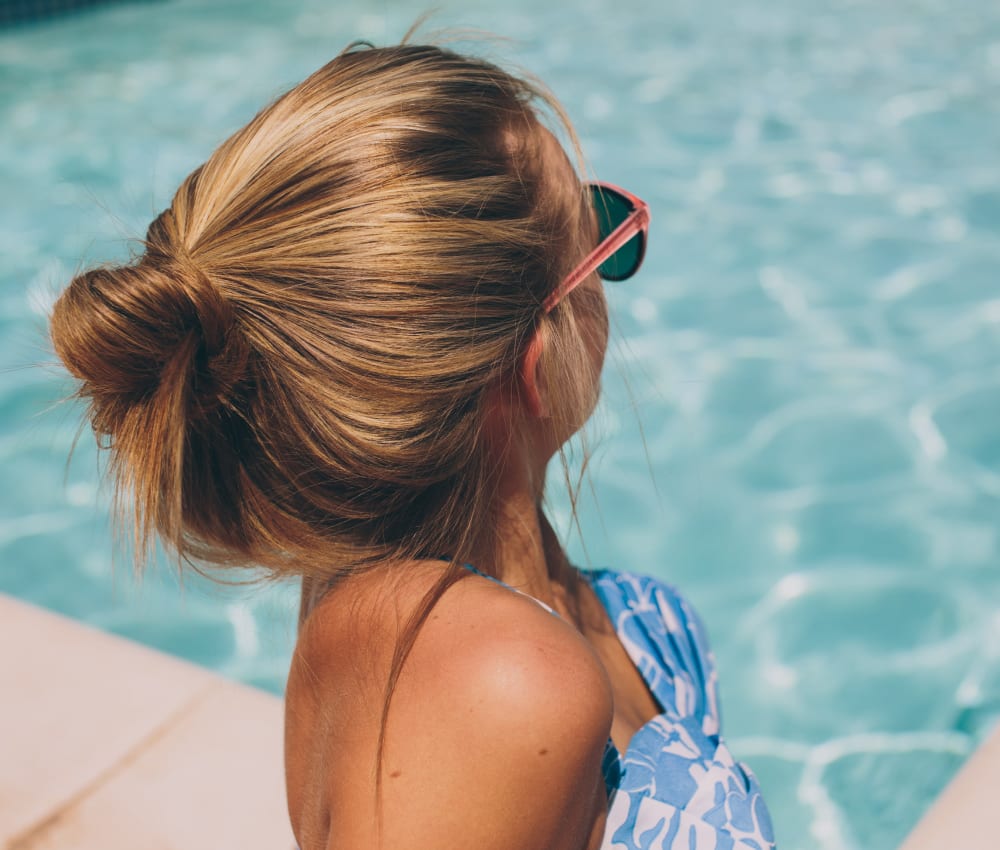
x,y
293,373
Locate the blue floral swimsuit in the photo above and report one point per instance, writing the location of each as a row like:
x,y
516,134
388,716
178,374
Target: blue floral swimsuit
x,y
677,786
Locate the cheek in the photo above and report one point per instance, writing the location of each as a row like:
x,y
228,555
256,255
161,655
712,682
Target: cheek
x,y
593,328
597,328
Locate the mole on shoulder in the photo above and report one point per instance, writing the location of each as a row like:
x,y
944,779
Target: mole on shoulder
x,y
395,773
543,751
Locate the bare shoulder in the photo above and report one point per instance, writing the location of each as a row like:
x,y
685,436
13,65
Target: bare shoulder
x,y
493,663
500,708
505,644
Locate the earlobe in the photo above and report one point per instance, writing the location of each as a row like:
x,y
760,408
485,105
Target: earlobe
x,y
530,376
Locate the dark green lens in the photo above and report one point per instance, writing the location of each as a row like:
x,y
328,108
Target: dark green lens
x,y
612,209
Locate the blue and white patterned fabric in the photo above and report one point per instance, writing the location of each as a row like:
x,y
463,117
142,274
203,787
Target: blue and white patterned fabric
x,y
676,787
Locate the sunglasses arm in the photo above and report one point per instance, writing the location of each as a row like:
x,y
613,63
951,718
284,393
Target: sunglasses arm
x,y
637,220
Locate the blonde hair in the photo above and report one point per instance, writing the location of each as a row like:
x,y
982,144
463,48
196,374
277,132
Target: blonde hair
x,y
293,373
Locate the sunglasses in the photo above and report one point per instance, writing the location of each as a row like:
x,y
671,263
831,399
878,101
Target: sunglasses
x,y
622,223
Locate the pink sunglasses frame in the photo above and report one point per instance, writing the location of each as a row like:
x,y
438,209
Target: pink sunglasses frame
x,y
636,222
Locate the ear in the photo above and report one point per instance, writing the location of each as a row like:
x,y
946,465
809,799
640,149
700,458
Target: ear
x,y
532,386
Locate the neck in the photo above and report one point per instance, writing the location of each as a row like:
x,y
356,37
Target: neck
x,y
525,552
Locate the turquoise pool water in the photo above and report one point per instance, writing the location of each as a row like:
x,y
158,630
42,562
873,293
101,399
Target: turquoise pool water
x,y
813,347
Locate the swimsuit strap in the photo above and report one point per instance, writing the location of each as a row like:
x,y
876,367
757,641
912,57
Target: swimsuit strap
x,y
472,569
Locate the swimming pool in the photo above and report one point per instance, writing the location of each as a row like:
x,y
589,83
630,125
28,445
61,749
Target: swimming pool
x,y
813,346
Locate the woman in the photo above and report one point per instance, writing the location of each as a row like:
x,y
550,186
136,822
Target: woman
x,y
350,348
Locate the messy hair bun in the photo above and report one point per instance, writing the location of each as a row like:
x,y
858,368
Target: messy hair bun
x,y
294,372
161,360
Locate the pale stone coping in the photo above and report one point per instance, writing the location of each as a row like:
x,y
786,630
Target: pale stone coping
x,y
965,814
110,744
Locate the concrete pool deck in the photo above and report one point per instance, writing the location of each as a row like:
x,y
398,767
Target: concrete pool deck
x,y
108,744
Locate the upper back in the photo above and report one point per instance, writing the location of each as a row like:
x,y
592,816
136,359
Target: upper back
x,y
500,707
